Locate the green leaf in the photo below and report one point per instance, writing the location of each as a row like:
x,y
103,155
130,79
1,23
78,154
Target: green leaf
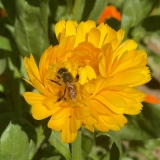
x,y
31,27
28,128
114,152
32,147
78,9
56,141
146,7
116,147
97,9
10,9
5,118
44,11
5,44
2,65
52,158
4,47
107,157
138,33
61,10
143,126
69,6
130,14
14,144
87,143
8,47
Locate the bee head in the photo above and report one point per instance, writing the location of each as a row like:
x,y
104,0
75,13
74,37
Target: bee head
x,y
61,71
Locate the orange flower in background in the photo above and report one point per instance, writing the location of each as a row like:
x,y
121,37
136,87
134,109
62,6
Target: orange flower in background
x,y
3,13
88,79
152,99
2,78
109,11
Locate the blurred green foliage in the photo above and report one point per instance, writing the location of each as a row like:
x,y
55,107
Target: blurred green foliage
x,y
27,26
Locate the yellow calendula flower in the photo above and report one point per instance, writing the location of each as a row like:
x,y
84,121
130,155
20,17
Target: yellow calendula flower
x,y
88,79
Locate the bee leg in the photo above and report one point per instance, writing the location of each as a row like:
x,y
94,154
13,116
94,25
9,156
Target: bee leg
x,y
62,97
55,82
59,99
77,77
64,93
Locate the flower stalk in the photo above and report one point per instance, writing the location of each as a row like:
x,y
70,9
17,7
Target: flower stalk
x,y
76,147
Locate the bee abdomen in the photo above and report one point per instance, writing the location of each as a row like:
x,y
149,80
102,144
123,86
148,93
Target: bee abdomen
x,y
72,91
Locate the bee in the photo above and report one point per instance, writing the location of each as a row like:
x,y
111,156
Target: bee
x,y
67,78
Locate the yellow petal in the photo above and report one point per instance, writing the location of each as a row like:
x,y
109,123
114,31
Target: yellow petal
x,y
130,80
103,32
86,73
82,111
109,119
109,122
67,135
34,68
94,36
89,127
110,35
75,123
57,124
39,111
125,61
125,46
91,88
29,82
40,87
101,126
120,36
106,61
29,70
89,120
96,85
51,102
33,98
60,112
82,31
121,120
95,104
128,72
128,92
113,98
109,105
64,47
135,110
59,27
44,63
83,75
71,28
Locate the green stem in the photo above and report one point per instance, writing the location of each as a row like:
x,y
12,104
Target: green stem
x,y
70,6
69,13
39,143
76,147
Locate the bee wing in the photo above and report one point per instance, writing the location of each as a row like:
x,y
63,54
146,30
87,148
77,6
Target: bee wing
x,y
82,92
